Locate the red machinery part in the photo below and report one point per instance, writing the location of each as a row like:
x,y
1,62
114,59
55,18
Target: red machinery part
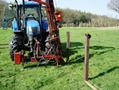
x,y
58,15
17,58
50,12
33,59
41,2
54,16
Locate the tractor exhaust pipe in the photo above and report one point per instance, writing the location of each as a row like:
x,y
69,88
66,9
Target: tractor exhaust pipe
x,y
23,7
23,12
17,15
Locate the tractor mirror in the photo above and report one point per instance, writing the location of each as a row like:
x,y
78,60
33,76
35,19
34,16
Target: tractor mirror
x,y
4,24
58,15
10,7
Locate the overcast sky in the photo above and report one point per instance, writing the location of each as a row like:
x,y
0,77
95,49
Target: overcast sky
x,y
93,6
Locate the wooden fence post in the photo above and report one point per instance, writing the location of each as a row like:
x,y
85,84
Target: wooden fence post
x,y
67,47
86,61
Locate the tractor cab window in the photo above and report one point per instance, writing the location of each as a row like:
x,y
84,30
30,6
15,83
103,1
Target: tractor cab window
x,y
31,12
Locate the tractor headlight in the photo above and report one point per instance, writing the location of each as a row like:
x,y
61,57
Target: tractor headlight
x,y
29,30
33,30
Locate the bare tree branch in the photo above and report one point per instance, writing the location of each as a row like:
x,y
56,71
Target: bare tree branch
x,y
114,5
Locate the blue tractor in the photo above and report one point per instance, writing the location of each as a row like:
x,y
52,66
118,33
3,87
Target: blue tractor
x,y
26,26
31,32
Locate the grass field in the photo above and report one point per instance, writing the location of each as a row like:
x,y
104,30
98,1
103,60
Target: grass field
x,y
104,64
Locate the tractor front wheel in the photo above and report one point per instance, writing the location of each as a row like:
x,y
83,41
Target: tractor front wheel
x,y
15,46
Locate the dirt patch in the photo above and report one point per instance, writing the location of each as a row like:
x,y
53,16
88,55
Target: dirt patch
x,y
108,28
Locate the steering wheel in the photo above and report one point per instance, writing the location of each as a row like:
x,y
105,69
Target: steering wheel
x,y
30,16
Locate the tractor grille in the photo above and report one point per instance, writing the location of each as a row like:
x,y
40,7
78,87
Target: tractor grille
x,y
34,29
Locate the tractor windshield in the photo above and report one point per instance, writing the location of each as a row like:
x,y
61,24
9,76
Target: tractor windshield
x,y
32,12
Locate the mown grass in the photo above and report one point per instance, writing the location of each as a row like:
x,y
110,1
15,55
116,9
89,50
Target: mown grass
x,y
103,72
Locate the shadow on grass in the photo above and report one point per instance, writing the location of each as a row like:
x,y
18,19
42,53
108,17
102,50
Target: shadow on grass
x,y
102,49
99,50
78,58
74,46
103,73
3,46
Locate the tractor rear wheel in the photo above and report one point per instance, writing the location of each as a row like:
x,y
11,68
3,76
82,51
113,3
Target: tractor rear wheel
x,y
15,46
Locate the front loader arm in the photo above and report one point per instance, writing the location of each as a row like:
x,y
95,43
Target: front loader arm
x,y
54,18
52,14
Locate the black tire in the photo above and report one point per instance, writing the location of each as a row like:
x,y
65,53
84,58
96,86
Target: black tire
x,y
14,46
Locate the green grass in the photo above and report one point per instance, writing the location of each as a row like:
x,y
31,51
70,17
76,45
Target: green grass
x,y
103,72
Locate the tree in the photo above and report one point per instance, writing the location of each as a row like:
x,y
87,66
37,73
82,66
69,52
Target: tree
x,y
114,5
83,19
2,4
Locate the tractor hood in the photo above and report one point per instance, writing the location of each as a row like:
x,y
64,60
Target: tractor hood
x,y
29,3
33,27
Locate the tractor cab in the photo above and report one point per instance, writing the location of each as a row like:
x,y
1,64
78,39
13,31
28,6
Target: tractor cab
x,y
28,18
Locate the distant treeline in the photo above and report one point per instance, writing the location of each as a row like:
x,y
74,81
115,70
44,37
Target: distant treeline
x,y
2,4
75,18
